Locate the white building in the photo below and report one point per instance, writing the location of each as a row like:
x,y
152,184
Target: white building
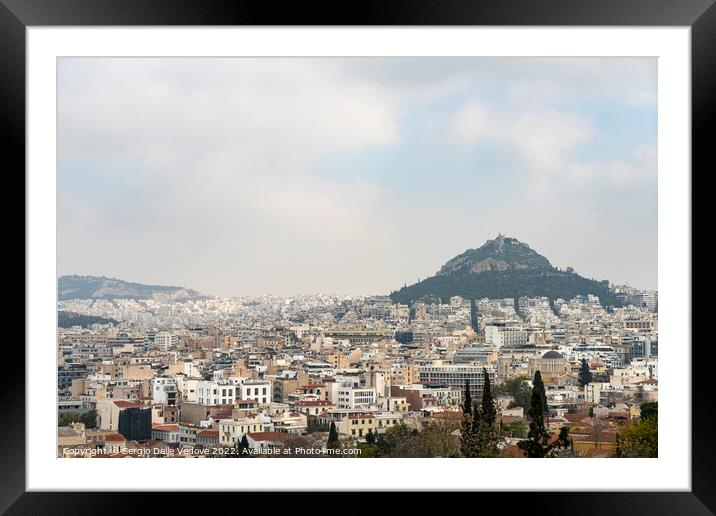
x,y
507,337
216,393
188,388
455,376
257,390
351,397
164,390
165,340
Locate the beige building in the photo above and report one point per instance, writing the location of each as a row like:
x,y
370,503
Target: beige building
x,y
137,371
357,426
232,430
399,404
552,365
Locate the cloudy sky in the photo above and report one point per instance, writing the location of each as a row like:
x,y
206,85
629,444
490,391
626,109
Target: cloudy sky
x,y
263,175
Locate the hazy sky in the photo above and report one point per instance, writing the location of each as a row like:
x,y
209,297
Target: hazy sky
x,y
264,175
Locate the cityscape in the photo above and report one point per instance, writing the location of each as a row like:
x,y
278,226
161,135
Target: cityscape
x,y
167,372
357,257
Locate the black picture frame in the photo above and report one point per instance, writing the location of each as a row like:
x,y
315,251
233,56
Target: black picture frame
x,y
699,15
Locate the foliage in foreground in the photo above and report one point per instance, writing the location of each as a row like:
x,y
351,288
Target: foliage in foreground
x,y
538,443
641,439
478,434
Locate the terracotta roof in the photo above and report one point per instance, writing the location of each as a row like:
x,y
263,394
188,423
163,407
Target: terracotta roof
x,y
208,433
167,428
270,436
575,418
115,438
313,403
127,404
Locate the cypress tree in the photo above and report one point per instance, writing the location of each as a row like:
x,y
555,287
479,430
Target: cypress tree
x,y
539,385
332,436
467,399
467,442
585,375
537,443
476,430
477,418
243,446
489,412
537,436
487,433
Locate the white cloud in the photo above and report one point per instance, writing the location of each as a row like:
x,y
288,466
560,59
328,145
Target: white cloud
x,y
204,172
226,150
542,139
164,112
545,142
637,168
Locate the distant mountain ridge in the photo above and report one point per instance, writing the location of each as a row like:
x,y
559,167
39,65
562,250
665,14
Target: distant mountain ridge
x,y
100,287
503,267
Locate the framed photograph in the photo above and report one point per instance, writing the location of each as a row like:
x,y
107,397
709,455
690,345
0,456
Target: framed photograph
x,y
426,248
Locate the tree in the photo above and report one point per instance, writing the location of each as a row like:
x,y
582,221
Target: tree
x,y
436,440
243,446
332,437
467,426
69,418
370,437
538,443
639,439
316,427
596,429
486,435
467,399
89,419
649,409
489,412
397,441
585,375
518,389
476,437
539,385
515,429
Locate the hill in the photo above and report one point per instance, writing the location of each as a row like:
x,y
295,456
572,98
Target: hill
x,y
100,287
503,267
70,319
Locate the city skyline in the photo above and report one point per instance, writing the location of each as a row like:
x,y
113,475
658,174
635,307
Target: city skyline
x,y
351,176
